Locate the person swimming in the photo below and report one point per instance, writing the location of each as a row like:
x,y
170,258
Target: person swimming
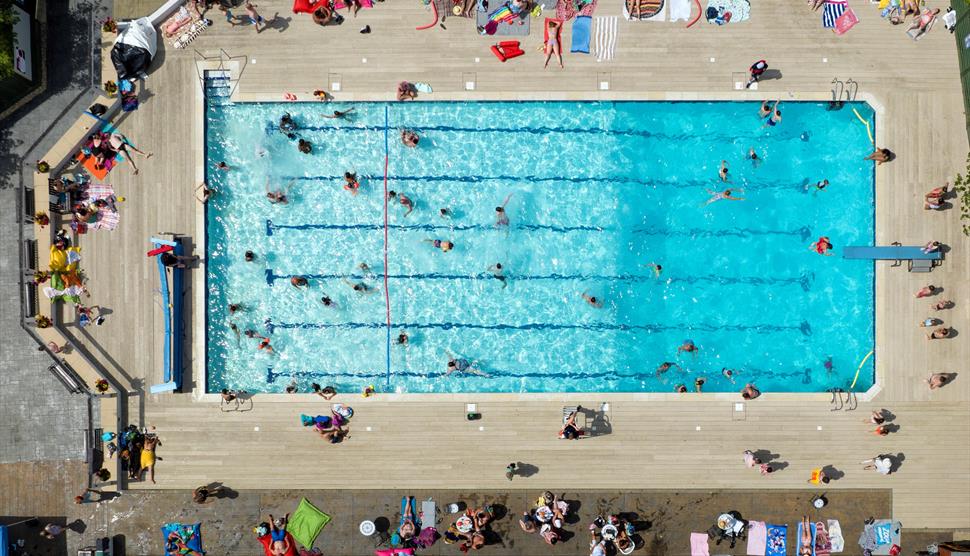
x,y
688,347
305,146
299,282
461,365
727,194
753,157
665,366
249,256
723,171
351,183
728,374
501,217
327,301
340,115
593,301
442,244
287,125
498,273
405,201
360,287
402,339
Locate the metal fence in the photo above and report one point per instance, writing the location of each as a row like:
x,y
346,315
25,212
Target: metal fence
x,y
962,35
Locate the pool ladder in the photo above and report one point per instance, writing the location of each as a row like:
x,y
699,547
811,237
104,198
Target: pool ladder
x,y
217,87
843,91
850,402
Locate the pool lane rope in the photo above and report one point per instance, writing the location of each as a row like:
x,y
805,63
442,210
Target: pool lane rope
x,y
864,359
387,295
868,127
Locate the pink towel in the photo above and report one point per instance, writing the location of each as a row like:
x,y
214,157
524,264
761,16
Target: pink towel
x,y
698,545
757,538
339,5
107,218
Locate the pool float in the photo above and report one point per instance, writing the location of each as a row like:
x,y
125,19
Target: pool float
x,y
159,250
864,359
434,10
506,50
699,12
266,539
865,123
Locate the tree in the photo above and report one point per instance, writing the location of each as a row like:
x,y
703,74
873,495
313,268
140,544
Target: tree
x,y
961,184
7,21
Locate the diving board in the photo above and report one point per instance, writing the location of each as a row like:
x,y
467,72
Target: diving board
x,y
890,253
172,317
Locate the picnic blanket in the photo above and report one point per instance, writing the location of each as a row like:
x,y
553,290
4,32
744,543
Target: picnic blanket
x,y
832,11
177,537
721,12
776,538
604,37
108,216
757,538
566,9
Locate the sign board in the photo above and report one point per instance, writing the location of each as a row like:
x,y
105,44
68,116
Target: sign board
x,y
22,58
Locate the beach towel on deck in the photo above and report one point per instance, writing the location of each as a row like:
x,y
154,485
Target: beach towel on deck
x,y
266,539
604,38
776,538
811,534
830,12
581,29
88,162
645,10
845,22
721,12
177,535
699,545
835,535
339,5
108,216
823,545
566,9
757,538
680,10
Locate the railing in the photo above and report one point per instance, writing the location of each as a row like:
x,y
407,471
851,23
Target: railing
x,y
963,55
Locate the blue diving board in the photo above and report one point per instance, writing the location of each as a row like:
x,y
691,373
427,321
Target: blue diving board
x,y
172,315
890,253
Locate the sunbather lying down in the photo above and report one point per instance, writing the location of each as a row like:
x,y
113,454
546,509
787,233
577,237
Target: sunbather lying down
x,y
924,22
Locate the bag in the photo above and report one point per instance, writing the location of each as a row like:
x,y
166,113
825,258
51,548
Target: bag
x,y
98,109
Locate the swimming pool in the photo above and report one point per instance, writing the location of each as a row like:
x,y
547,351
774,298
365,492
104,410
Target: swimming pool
x,y
597,191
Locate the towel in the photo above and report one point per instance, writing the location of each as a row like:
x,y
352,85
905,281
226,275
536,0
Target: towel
x,y
757,538
832,11
604,38
108,216
777,535
429,514
717,11
566,9
680,9
581,29
656,7
698,545
835,535
845,22
823,545
811,534
423,88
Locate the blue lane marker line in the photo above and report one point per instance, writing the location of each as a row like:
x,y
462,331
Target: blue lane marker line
x,y
804,327
272,127
600,180
387,299
802,233
271,375
805,280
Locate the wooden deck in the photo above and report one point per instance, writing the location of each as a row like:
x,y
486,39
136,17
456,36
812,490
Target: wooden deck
x,y
653,444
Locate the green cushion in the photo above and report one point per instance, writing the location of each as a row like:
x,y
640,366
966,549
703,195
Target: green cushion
x,y
306,523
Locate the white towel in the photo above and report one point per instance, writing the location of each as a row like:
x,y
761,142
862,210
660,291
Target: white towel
x,y
835,535
604,37
679,9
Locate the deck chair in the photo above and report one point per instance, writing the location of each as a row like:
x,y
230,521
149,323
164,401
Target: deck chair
x,y
921,265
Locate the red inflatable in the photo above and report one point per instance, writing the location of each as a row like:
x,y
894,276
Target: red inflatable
x,y
507,50
160,250
265,541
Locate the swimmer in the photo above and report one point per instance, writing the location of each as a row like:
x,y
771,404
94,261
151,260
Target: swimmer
x,y
402,339
351,183
287,125
235,330
665,366
338,115
699,385
327,392
822,246
593,301
657,269
264,344
775,117
409,138
405,201
207,193
880,155
223,166
498,273
680,389
365,268
234,308
688,347
829,365
360,287
305,146
753,157
749,392
723,171
327,301
461,365
249,256
726,194
444,212
250,333
501,218
442,244
728,374
820,186
280,196
765,109
299,282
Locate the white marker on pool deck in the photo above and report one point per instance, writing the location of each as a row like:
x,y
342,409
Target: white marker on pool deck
x,y
477,60
363,60
335,86
819,427
825,60
252,61
713,59
256,429
481,428
697,428
368,429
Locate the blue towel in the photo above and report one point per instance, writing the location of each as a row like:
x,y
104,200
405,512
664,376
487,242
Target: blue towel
x,y
775,543
191,535
581,29
830,12
798,543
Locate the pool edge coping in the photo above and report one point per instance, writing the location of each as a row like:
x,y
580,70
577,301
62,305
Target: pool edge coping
x,y
200,282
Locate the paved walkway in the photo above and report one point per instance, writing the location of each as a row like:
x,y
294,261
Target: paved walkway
x,y
665,518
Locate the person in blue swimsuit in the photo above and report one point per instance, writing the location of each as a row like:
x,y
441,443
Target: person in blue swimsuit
x,y
279,544
775,117
462,365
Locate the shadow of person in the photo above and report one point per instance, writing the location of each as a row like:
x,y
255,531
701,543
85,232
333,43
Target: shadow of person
x,y
779,465
525,469
770,74
77,526
832,473
896,461
764,456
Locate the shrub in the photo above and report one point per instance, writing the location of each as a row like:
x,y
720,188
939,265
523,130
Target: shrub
x,y
961,184
7,20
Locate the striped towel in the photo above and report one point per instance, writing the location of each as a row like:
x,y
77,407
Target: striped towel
x,y
832,11
108,218
604,38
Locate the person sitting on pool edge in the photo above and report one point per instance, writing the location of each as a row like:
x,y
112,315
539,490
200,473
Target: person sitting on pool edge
x,y
570,430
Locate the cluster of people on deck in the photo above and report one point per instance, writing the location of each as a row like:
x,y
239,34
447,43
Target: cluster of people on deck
x,y
136,449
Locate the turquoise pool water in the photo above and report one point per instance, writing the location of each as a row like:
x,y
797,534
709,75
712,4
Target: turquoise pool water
x,y
597,191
